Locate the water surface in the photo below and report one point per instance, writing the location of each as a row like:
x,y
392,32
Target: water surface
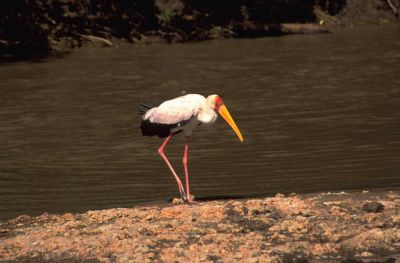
x,y
319,113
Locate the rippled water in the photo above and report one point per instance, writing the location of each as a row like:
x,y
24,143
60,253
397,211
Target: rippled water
x,y
319,113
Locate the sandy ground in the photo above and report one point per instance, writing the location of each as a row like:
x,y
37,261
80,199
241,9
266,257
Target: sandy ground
x,y
327,227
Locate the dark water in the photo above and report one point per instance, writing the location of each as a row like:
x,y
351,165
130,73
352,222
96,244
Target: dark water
x,y
319,113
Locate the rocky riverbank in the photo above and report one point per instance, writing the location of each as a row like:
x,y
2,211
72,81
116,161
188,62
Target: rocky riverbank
x,y
338,227
32,26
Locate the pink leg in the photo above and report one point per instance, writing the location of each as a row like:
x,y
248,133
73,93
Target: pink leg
x,y
161,152
185,161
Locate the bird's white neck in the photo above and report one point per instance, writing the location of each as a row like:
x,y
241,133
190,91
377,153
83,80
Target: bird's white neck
x,y
207,114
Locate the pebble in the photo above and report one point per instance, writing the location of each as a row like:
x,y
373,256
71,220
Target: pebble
x,y
373,207
396,219
366,254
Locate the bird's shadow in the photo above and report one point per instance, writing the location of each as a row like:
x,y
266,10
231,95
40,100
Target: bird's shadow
x,y
209,198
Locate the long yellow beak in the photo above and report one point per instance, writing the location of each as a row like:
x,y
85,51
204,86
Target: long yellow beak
x,y
223,111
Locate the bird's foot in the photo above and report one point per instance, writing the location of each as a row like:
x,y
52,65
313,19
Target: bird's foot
x,y
185,198
183,194
182,199
190,199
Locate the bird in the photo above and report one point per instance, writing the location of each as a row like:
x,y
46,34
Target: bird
x,y
182,115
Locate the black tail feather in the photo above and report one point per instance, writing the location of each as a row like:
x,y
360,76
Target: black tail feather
x,y
144,106
150,129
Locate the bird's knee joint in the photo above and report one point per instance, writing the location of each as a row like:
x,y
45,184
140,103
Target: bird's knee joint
x,y
160,151
184,161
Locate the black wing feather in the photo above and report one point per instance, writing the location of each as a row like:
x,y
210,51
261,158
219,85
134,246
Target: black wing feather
x,y
162,130
144,106
150,129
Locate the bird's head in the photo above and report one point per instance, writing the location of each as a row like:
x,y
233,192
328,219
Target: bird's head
x,y
216,103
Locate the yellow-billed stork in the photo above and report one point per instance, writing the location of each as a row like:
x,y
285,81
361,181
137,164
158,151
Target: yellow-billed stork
x,y
182,114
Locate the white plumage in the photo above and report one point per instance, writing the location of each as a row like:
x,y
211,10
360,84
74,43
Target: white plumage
x,y
176,110
182,113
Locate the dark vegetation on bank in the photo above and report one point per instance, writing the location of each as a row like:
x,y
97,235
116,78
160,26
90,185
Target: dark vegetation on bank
x,y
31,26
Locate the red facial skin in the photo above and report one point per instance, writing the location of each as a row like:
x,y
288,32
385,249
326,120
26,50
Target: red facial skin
x,y
218,103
